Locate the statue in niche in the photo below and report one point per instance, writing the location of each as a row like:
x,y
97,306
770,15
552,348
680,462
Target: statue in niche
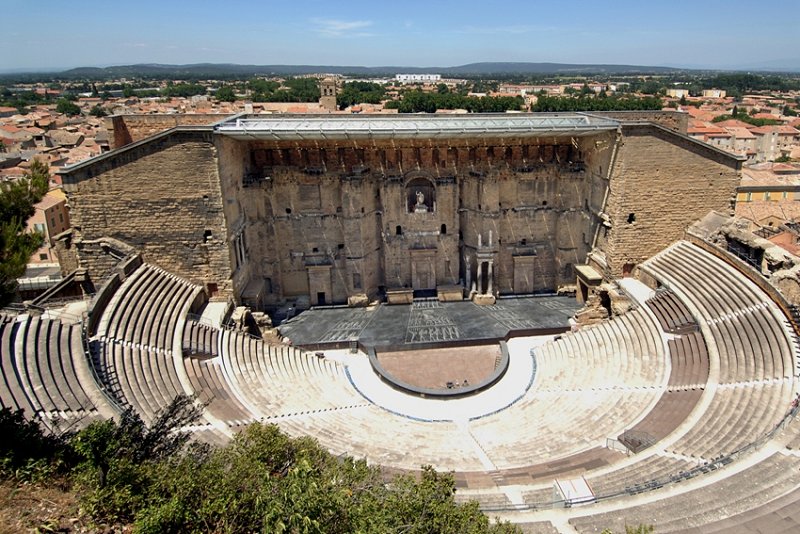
x,y
420,207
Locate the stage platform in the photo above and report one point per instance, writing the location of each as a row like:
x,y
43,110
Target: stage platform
x,y
430,323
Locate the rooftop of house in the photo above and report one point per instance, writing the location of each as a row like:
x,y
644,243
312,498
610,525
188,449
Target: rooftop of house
x,y
762,211
778,129
770,175
52,198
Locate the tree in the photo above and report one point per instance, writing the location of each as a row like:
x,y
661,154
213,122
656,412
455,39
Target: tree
x,y
265,481
98,111
17,200
118,459
28,453
682,101
353,93
67,108
225,94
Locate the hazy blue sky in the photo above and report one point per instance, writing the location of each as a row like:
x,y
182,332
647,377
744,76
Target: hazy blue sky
x,y
62,34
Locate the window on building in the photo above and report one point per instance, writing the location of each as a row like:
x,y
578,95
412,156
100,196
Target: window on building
x,y
43,256
39,227
749,196
766,195
356,280
443,229
207,236
631,218
60,217
398,230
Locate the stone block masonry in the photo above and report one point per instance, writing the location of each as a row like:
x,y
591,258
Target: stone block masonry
x,y
337,221
660,184
163,198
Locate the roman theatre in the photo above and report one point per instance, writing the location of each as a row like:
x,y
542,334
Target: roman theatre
x,y
555,307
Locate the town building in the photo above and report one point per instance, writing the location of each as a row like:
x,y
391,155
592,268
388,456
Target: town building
x,y
418,78
50,219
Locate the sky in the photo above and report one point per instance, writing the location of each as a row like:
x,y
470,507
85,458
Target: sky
x,y
60,34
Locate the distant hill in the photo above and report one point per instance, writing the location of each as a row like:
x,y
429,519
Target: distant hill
x,y
212,70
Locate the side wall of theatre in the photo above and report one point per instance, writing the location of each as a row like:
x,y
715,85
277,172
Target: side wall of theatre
x,y
163,198
126,129
660,183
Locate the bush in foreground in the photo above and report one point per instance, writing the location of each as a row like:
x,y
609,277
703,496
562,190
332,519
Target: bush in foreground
x,y
153,479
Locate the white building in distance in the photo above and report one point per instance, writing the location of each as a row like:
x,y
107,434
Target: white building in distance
x,y
416,78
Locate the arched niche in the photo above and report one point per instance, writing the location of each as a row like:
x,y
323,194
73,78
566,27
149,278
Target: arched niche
x,y
420,195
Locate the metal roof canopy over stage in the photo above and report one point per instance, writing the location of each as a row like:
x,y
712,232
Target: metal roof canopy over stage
x,y
335,127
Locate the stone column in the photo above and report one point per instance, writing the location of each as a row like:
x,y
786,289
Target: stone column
x,y
469,271
489,278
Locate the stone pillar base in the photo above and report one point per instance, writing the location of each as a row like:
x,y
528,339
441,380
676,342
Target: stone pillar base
x,y
399,296
358,301
450,293
483,300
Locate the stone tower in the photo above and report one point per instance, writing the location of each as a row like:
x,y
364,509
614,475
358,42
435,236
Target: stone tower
x,y
327,90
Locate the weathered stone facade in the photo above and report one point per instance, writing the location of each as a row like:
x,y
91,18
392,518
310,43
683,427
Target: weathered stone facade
x,y
268,217
334,222
163,198
660,183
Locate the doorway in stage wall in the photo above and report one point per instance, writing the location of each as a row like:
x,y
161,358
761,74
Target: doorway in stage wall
x,y
423,272
321,298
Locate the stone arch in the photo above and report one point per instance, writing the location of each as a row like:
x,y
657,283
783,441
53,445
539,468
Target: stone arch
x,y
420,194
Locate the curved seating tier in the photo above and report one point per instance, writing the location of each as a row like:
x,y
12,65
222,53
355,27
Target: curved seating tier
x,y
747,328
649,468
135,339
46,372
689,358
737,493
753,349
671,312
211,387
605,376
139,377
713,373
282,380
200,338
737,415
145,309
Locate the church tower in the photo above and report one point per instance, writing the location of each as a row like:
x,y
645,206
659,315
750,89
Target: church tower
x,y
327,90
